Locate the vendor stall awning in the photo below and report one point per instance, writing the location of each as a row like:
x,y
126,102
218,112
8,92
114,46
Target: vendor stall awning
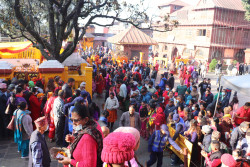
x,y
14,47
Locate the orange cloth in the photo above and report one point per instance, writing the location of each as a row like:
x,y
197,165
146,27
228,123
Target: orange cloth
x,y
112,115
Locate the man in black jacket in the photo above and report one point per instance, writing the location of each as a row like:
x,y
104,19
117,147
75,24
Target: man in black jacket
x,y
67,87
224,99
153,76
170,107
171,81
207,98
203,86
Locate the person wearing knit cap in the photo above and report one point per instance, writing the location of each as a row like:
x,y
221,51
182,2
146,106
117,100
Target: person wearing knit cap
x,y
83,91
118,147
227,160
38,150
82,86
206,130
157,143
213,158
134,162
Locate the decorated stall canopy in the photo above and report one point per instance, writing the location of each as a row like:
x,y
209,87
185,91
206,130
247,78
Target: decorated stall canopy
x,y
237,83
14,47
19,50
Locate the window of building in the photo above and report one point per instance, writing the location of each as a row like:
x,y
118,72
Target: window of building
x,y
186,53
202,32
217,55
239,56
245,34
199,53
188,33
166,47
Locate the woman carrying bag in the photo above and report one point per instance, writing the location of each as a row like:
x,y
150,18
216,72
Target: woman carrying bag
x,y
22,128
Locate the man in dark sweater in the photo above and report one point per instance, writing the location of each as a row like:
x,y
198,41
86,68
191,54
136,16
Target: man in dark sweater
x,y
38,150
171,81
67,87
203,86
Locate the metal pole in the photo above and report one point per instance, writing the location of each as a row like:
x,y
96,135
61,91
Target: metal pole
x,y
217,97
185,158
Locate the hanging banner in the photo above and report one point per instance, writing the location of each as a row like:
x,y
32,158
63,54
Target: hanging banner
x,y
14,47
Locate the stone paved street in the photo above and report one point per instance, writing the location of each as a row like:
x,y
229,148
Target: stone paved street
x,y
9,157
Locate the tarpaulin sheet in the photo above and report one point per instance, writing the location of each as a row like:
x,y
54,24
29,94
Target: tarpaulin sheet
x,y
237,83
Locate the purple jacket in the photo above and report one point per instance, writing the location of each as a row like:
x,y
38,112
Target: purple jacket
x,y
18,100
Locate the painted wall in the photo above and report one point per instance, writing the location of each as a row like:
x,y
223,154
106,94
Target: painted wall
x,y
221,34
140,48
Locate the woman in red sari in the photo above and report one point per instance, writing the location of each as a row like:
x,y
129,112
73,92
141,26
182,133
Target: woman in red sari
x,y
34,106
50,115
99,83
184,71
187,79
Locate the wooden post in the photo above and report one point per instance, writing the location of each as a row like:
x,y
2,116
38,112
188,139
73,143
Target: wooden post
x,y
185,157
65,75
88,79
141,57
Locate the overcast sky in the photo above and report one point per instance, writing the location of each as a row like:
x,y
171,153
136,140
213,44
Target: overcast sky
x,y
152,6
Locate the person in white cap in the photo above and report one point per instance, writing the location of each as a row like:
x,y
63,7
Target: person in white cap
x,y
82,89
207,131
82,86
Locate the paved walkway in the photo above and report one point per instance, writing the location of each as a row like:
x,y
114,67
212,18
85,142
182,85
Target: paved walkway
x,y
9,157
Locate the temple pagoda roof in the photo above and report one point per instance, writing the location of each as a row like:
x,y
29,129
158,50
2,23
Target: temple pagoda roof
x,y
132,36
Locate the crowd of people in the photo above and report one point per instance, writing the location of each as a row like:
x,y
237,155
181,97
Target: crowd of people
x,y
217,127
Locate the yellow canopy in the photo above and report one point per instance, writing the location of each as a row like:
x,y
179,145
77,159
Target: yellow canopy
x,y
14,47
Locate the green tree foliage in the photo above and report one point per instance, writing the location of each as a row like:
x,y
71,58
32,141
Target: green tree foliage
x,y
212,65
47,23
246,4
